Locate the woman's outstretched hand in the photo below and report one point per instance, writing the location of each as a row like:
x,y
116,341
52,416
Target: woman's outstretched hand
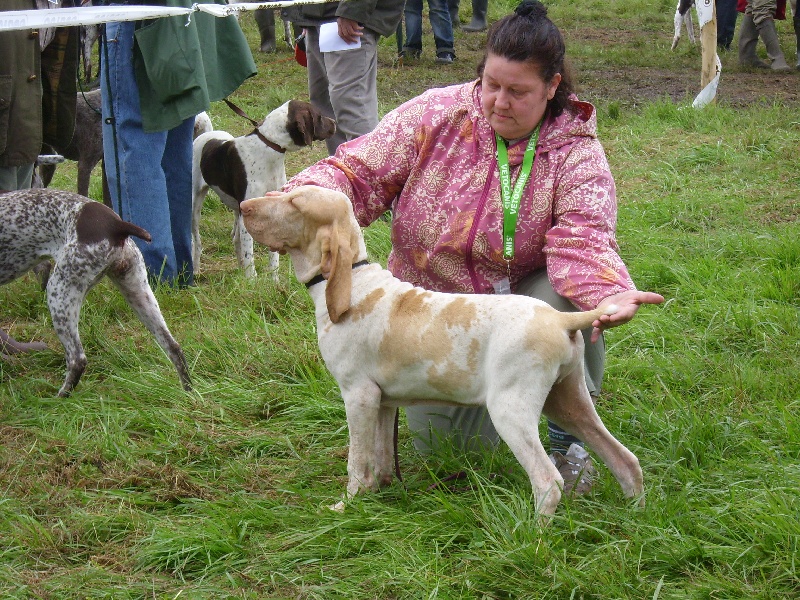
x,y
627,304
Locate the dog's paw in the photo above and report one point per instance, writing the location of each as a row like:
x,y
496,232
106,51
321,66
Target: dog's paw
x,y
338,507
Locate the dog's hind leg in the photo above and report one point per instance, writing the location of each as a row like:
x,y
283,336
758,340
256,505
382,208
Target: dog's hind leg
x,y
570,406
130,276
515,417
66,292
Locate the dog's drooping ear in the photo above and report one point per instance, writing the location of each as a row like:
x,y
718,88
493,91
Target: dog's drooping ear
x,y
337,268
336,247
307,125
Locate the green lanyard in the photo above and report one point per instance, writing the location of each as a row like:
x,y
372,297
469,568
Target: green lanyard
x,y
511,200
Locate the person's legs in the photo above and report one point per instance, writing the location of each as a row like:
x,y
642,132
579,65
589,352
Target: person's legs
x,y
439,16
318,85
133,158
478,22
16,178
726,22
352,88
763,12
413,18
452,6
177,166
265,19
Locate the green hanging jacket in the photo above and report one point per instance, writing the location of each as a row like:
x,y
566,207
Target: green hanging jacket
x,y
178,77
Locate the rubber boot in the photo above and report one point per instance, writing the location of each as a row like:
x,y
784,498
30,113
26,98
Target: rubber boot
x,y
769,35
478,22
452,6
265,19
748,38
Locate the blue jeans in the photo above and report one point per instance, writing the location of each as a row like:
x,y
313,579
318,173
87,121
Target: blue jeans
x,y
149,174
726,22
439,15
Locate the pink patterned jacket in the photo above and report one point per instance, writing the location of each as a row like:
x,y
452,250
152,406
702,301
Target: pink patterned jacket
x,y
432,162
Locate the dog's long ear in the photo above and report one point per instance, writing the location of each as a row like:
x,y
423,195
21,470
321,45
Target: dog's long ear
x,y
301,123
336,267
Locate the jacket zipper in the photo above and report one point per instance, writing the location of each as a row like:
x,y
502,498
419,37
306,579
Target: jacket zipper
x,y
474,231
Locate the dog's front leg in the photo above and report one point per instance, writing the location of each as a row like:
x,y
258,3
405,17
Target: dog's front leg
x,y
243,242
362,405
199,192
384,445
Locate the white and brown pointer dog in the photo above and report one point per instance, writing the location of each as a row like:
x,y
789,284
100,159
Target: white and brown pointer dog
x,y
391,344
249,166
86,240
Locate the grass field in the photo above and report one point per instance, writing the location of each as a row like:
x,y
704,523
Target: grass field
x,y
132,488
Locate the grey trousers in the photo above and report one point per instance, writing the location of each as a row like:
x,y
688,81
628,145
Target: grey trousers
x,y
343,85
16,178
471,428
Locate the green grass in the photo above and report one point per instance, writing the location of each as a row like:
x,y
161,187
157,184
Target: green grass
x,y
132,488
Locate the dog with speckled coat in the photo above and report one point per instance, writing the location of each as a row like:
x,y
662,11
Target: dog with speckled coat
x,y
85,240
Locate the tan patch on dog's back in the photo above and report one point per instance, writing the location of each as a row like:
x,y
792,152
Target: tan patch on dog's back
x,y
366,306
450,377
459,313
416,334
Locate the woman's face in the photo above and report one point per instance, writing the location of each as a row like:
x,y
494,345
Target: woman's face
x,y
514,96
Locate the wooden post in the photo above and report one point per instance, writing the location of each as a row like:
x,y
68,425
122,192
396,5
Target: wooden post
x,y
708,45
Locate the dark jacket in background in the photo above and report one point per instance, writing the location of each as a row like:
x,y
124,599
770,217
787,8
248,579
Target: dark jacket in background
x,y
381,16
38,89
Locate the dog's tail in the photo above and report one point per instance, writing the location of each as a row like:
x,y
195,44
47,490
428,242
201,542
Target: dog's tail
x,y
575,321
96,221
126,228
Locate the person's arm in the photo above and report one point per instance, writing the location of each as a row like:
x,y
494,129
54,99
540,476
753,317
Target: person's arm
x,y
371,169
582,253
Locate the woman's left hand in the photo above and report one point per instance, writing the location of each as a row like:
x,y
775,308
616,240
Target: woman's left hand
x,y
627,304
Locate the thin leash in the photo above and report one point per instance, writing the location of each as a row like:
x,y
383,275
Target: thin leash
x,y
269,143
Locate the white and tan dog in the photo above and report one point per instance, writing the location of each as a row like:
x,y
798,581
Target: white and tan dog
x,y
390,344
250,166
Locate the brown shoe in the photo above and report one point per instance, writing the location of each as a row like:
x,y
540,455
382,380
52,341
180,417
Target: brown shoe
x,y
576,468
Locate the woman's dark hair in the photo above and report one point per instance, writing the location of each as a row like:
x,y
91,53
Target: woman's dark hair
x,y
528,35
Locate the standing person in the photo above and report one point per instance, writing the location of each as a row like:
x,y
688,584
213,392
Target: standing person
x,y
758,21
155,79
439,16
37,107
436,162
343,85
478,21
726,23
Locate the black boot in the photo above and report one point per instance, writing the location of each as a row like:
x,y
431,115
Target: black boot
x,y
452,6
265,19
478,22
